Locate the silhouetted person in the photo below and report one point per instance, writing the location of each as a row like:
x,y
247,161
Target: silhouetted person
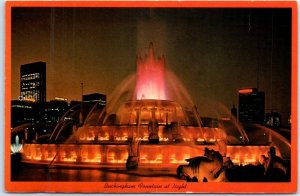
x,y
228,163
276,166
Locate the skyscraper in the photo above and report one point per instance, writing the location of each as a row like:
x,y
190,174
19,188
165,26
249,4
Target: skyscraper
x,y
33,82
53,111
251,106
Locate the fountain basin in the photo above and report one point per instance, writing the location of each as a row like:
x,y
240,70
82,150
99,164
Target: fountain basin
x,y
115,155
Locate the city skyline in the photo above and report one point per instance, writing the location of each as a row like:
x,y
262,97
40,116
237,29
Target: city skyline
x,y
210,50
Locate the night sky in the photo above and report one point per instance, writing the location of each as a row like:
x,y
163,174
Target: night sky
x,y
214,52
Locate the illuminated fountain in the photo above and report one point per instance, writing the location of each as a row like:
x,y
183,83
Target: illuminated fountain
x,y
150,129
16,147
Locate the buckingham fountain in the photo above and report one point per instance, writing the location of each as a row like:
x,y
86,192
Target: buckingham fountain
x,y
153,128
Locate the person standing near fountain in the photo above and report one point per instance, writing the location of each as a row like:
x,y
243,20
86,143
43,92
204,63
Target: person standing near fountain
x,y
275,166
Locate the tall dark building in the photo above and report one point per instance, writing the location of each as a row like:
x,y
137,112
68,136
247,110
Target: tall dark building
x,y
53,111
33,82
251,106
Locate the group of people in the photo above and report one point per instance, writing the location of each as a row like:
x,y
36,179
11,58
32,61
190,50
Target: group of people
x,y
273,167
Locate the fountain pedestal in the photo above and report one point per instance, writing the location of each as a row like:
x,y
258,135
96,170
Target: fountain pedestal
x,y
132,162
153,132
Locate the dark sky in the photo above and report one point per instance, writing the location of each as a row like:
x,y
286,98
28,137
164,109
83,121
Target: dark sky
x,y
214,52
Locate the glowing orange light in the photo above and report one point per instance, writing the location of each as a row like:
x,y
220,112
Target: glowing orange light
x,y
186,139
60,99
249,161
236,161
29,99
173,160
200,140
106,138
225,119
245,91
239,155
82,137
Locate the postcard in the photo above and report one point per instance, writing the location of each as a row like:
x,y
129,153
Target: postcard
x,y
151,97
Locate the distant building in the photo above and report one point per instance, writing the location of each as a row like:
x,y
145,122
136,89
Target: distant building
x,y
273,119
53,111
23,112
33,82
251,106
94,101
95,97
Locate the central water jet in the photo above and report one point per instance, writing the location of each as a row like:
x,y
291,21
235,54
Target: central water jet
x,y
150,82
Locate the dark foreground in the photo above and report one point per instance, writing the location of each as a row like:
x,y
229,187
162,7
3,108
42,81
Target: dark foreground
x,y
37,173
28,172
255,173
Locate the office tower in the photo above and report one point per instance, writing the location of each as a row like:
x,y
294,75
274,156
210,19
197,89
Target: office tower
x,y
33,82
251,106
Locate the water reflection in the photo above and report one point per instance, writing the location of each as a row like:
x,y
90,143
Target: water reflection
x,y
38,173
